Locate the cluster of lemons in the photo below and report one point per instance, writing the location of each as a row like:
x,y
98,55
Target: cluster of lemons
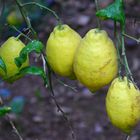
x,y
92,60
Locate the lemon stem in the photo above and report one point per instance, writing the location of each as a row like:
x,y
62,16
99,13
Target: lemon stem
x,y
118,49
97,9
20,33
60,26
18,36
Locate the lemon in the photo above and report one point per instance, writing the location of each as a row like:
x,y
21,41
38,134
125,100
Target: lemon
x,y
14,18
9,51
60,50
95,62
123,105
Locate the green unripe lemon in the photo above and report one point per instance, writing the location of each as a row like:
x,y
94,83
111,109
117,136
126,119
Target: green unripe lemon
x,y
14,18
60,50
9,51
95,62
123,105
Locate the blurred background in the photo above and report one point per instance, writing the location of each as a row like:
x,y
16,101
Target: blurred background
x,y
33,110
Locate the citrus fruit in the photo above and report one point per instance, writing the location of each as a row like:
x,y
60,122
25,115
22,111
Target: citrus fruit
x,y
60,50
123,104
95,62
14,18
9,51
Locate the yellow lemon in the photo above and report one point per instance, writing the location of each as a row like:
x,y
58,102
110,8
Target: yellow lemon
x,y
123,104
9,51
60,50
95,62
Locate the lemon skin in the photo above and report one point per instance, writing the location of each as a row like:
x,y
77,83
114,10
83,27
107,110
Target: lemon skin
x,y
95,62
9,51
60,50
123,105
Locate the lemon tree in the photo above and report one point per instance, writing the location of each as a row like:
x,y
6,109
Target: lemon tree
x,y
93,60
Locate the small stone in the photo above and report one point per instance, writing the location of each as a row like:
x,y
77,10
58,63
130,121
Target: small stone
x,y
136,64
37,119
83,20
33,100
82,125
98,128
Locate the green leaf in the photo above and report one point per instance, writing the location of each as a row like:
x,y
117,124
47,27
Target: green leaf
x,y
2,65
115,11
4,110
33,70
34,45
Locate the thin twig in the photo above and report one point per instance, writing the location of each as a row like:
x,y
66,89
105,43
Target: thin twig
x,y
55,101
13,27
118,48
133,38
66,85
127,69
25,17
42,7
44,63
14,128
127,137
60,109
2,8
12,124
